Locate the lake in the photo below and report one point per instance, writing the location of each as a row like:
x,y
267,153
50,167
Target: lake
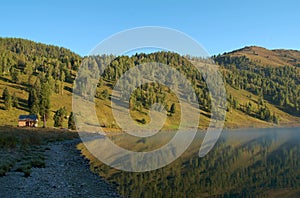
x,y
243,163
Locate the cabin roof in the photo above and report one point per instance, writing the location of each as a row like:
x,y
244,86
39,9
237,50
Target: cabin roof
x,y
28,117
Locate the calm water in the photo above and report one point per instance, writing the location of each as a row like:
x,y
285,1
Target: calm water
x,y
243,163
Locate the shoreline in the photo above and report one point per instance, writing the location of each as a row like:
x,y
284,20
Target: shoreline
x,y
115,131
66,174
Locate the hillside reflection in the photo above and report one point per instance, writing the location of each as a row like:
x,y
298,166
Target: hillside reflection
x,y
247,163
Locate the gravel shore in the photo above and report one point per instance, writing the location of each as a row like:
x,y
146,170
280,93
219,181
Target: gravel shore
x,y
66,174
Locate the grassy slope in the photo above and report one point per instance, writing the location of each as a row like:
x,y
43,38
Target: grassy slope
x,y
270,58
234,118
264,58
10,117
103,107
239,119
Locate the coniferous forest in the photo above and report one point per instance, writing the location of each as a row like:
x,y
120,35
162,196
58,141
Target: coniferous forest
x,y
35,76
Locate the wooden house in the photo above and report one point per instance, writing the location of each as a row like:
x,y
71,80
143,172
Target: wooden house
x,y
28,121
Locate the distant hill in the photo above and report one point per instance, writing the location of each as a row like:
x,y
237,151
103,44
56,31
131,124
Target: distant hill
x,y
262,85
268,58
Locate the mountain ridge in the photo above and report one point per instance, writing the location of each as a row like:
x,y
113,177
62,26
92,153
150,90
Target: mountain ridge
x,y
225,52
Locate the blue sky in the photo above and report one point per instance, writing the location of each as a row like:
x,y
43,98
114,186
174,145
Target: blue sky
x,y
219,26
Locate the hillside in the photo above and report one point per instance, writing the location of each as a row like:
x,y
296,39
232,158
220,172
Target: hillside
x,y
268,74
22,62
268,58
262,85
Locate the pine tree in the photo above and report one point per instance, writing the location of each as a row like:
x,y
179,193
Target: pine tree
x,y
62,80
44,106
248,108
15,102
275,119
235,103
71,122
5,93
15,75
7,99
34,100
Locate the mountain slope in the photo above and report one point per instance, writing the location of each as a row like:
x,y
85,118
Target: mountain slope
x,y
269,74
268,58
257,84
22,62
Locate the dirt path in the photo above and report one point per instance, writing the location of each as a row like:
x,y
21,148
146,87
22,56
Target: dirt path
x,y
66,174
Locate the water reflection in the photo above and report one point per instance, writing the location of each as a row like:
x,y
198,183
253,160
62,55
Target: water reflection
x,y
255,162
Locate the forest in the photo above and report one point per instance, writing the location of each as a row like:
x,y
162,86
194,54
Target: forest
x,y
34,75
